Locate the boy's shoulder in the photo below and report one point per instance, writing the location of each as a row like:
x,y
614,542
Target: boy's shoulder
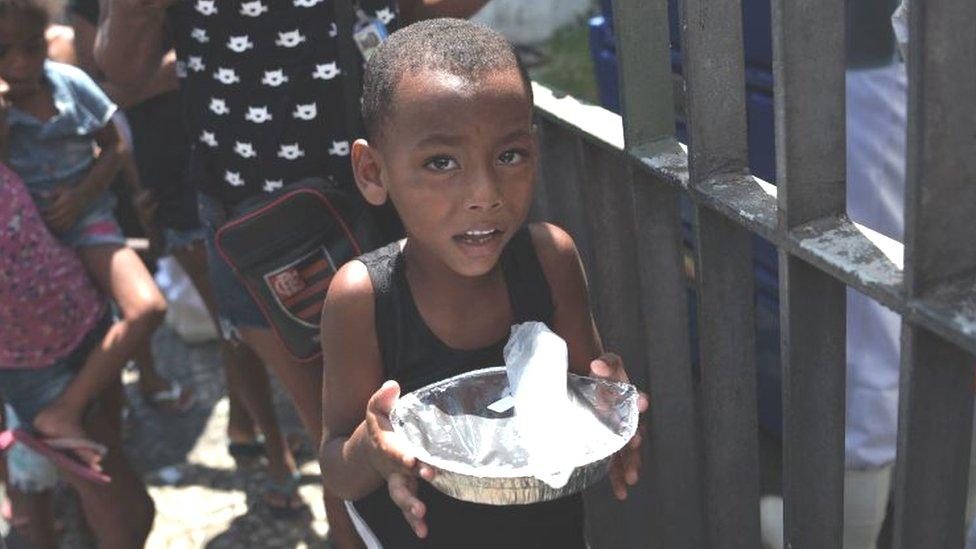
x,y
554,246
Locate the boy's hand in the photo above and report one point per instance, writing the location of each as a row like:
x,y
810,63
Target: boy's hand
x,y
393,461
626,463
66,207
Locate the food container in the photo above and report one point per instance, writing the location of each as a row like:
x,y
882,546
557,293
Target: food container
x,y
477,453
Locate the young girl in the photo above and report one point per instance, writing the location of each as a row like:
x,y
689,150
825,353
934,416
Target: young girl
x,y
57,356
57,117
448,111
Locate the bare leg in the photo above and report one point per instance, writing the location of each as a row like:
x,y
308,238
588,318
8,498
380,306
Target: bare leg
x,y
304,384
121,512
33,517
249,387
120,274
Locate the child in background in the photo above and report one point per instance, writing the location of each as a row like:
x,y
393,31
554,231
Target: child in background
x,y
448,113
57,356
57,116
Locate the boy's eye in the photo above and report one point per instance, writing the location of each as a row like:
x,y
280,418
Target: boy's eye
x,y
511,157
441,163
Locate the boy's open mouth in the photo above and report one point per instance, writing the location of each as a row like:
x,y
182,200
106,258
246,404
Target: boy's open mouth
x,y
477,237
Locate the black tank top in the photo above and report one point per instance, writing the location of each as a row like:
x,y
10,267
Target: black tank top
x,y
413,356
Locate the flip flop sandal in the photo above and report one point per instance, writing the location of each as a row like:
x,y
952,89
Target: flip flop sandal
x,y
247,450
176,398
255,448
59,450
288,491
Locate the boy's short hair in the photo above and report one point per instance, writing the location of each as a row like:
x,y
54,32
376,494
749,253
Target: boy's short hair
x,y
41,12
456,46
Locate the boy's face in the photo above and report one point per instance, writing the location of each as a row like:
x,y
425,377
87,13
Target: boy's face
x,y
458,159
23,49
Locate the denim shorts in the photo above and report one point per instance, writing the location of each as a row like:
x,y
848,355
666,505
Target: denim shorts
x,y
95,227
29,390
180,239
235,307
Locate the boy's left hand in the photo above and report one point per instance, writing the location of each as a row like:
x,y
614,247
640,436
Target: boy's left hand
x,y
66,207
626,463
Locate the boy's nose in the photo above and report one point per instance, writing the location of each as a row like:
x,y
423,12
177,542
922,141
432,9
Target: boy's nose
x,y
485,195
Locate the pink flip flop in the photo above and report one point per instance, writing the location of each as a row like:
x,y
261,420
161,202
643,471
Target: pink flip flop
x,y
58,451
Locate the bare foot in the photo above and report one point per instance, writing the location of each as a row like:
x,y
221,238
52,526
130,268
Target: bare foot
x,y
62,430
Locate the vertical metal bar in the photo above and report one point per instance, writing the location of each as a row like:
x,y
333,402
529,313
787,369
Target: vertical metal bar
x,y
941,179
935,418
935,429
714,71
715,110
672,471
641,29
808,69
614,287
812,330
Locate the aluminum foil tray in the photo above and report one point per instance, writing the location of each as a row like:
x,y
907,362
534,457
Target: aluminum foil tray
x,y
476,451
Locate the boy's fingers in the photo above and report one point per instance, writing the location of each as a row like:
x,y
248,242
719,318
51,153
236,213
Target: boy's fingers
x,y
609,366
382,401
617,479
403,493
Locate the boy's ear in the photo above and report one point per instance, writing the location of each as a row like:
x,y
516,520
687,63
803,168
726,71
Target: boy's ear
x,y
367,166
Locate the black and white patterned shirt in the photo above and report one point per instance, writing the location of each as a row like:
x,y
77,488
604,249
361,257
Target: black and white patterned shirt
x,y
262,91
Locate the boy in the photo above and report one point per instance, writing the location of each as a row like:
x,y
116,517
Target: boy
x,y
448,114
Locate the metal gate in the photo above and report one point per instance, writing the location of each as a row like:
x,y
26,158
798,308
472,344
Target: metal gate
x,y
618,193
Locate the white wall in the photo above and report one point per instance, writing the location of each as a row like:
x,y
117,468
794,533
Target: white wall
x,y
530,21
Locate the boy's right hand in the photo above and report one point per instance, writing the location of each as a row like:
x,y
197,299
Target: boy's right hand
x,y
390,458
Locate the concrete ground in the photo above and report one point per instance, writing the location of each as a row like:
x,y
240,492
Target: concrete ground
x,y
203,498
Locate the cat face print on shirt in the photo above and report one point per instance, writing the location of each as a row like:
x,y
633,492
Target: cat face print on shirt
x,y
289,39
245,150
195,63
234,178
326,71
206,7
239,44
253,9
199,35
208,138
290,152
274,78
271,186
339,148
385,15
306,3
305,112
219,106
226,76
258,115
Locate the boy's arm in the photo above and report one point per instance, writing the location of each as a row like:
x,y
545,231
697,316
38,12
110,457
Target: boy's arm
x,y
128,48
359,450
416,10
572,318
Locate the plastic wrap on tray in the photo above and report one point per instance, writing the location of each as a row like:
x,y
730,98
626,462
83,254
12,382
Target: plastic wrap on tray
x,y
477,451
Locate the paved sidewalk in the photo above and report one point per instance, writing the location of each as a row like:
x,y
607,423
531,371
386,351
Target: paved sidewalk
x,y
203,498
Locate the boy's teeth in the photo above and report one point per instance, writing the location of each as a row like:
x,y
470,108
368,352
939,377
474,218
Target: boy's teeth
x,y
479,233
